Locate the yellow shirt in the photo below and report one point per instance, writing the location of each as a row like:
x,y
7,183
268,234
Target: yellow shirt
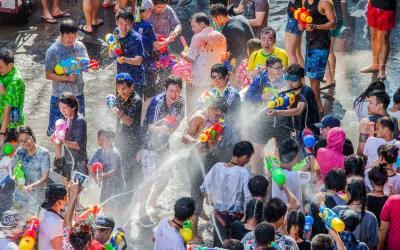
x,y
260,58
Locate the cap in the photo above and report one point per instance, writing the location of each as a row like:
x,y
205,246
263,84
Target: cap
x,y
350,218
146,4
123,77
53,193
10,219
328,121
104,221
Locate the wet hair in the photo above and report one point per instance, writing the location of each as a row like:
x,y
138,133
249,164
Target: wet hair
x,y
295,69
81,234
160,2
201,17
125,14
243,148
254,209
268,30
382,97
184,208
26,130
6,56
233,244
124,78
322,242
220,69
357,192
389,152
296,218
272,60
396,96
386,122
107,133
350,219
288,150
220,104
335,180
375,85
253,45
354,166
274,210
258,186
68,26
70,100
264,233
173,80
378,174
218,10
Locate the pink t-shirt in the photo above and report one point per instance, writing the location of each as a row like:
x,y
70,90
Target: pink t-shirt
x,y
391,213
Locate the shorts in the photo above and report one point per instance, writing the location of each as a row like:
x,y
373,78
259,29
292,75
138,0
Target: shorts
x,y
336,32
315,63
381,19
55,112
292,26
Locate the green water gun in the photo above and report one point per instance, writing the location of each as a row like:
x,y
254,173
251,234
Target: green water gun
x,y
273,166
270,90
300,165
19,175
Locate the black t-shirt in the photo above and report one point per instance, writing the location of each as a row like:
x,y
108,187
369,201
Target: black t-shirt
x,y
310,113
295,4
375,205
384,4
77,132
305,245
348,148
317,39
238,231
237,32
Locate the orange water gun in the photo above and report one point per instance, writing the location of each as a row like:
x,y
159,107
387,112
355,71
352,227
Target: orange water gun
x,y
90,213
302,15
28,239
212,133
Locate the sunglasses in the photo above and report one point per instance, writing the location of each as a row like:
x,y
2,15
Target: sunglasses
x,y
292,78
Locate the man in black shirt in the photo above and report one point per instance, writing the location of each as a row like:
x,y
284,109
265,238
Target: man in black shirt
x,y
328,122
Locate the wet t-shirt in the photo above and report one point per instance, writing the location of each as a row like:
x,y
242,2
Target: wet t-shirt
x,y
146,30
77,132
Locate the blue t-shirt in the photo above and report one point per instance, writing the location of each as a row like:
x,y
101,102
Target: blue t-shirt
x,y
146,30
131,46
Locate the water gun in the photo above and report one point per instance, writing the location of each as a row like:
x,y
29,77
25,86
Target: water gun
x,y
397,164
309,222
97,168
75,65
183,68
299,166
161,39
116,239
281,101
111,101
331,220
60,130
166,61
28,239
19,174
211,134
90,213
170,121
272,165
270,90
186,231
197,247
113,44
228,61
302,15
8,148
308,138
184,44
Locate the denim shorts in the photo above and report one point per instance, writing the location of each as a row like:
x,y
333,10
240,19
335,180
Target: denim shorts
x,y
292,26
336,32
316,60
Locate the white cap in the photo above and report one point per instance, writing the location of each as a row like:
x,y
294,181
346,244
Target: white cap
x,y
146,4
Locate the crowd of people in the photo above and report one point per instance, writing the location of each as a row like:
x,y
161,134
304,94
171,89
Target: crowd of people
x,y
243,92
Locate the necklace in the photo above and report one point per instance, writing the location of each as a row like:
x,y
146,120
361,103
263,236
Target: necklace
x,y
176,223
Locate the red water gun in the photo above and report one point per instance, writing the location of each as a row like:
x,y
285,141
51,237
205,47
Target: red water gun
x,y
166,61
170,121
28,239
211,134
97,168
90,213
302,15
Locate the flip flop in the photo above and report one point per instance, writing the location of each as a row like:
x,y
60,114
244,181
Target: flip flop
x,y
381,77
81,28
107,6
100,22
368,70
331,85
62,14
50,20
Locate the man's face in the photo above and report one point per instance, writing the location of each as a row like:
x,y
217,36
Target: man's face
x,y
373,106
219,20
5,68
219,81
69,39
102,235
124,91
324,131
159,8
124,26
172,93
276,70
196,27
267,41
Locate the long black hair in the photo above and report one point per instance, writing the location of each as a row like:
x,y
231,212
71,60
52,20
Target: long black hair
x,y
357,191
375,85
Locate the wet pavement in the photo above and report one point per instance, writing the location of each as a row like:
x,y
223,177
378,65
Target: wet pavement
x,y
31,41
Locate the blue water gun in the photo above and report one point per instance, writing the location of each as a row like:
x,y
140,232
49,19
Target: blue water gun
x,y
331,220
308,138
116,239
75,65
281,101
309,222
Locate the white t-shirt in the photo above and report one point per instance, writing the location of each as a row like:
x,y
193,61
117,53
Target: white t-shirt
x,y
294,181
392,180
166,237
51,226
7,244
371,148
361,110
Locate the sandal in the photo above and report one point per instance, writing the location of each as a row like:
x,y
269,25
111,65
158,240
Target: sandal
x,y
62,14
107,6
100,22
328,86
381,76
81,28
50,20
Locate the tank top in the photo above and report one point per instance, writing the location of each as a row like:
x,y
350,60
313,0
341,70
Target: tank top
x,y
384,4
338,10
317,39
295,4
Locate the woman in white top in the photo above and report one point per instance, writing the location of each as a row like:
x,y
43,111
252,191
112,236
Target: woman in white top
x,y
360,104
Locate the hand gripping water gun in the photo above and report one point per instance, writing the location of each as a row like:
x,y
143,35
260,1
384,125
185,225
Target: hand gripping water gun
x,y
111,101
90,213
183,68
19,174
97,168
272,165
308,138
166,61
331,220
186,231
60,130
116,239
113,44
75,65
212,133
281,101
28,239
309,222
302,16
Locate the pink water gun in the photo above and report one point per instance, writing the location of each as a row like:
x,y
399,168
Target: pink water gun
x,y
183,68
60,130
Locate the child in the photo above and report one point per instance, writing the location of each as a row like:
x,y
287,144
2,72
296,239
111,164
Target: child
x,y
253,216
351,220
241,74
166,233
110,177
265,236
295,227
394,111
335,182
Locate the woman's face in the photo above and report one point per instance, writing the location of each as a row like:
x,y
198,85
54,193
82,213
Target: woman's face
x,y
26,141
66,110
